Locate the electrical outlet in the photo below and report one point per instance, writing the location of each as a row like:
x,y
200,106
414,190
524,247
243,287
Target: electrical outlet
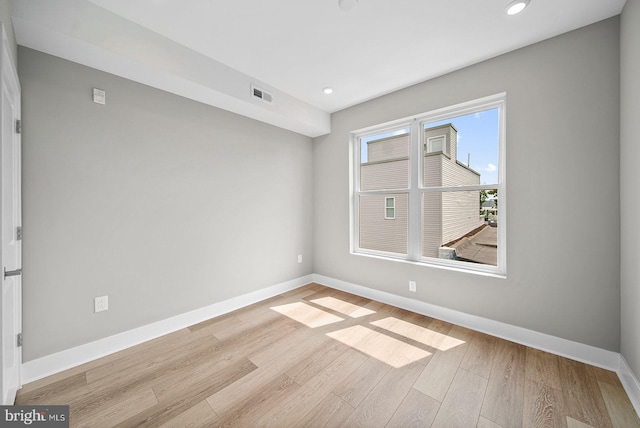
x,y
101,303
299,258
99,96
412,286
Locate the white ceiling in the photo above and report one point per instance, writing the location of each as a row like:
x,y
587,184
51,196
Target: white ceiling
x,y
292,48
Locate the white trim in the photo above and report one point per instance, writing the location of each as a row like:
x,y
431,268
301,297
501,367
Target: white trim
x,y
630,383
387,207
443,148
566,348
11,85
416,215
51,364
63,360
416,189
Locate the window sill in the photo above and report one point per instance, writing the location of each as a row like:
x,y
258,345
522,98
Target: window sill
x,y
446,265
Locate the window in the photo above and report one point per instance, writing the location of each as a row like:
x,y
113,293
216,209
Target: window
x,y
390,208
439,176
435,144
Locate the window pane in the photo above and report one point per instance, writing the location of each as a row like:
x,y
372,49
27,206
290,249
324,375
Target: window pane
x,y
384,161
461,226
435,144
378,233
469,153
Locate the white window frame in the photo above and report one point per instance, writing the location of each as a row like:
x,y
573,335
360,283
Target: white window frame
x,y
416,188
437,137
393,207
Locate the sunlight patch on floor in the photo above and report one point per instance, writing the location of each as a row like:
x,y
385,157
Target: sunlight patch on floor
x,y
346,308
306,314
387,349
431,338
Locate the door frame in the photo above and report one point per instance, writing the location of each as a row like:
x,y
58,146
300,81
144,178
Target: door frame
x,y
9,77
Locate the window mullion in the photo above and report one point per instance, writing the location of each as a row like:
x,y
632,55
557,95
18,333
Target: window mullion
x,y
355,196
415,210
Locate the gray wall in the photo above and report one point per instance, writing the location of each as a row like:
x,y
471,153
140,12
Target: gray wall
x,y
163,204
562,153
629,179
6,10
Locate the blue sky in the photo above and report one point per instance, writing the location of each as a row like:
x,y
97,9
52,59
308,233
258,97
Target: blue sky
x,y
477,137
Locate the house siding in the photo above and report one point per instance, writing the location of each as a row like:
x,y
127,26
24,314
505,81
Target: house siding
x,y
460,210
431,224
454,174
432,170
449,215
385,175
460,214
378,233
388,148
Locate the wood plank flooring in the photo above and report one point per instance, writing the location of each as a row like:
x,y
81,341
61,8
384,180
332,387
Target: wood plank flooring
x,y
317,357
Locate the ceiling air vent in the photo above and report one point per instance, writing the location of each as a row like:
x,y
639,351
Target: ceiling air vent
x,y
259,93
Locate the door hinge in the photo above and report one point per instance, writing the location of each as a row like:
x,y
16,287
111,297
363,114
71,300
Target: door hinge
x,y
19,233
19,340
18,126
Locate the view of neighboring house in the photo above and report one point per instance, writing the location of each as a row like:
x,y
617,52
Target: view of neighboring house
x,y
447,216
384,218
489,209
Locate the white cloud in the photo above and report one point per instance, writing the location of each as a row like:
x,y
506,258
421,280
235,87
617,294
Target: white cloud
x,y
477,115
490,168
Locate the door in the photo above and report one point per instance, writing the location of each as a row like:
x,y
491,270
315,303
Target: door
x,y
11,254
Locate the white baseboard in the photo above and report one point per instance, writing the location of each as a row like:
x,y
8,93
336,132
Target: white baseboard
x,y
630,383
576,351
63,360
54,363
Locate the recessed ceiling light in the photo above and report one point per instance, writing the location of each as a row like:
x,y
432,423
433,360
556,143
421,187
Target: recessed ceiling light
x,y
516,7
327,90
347,4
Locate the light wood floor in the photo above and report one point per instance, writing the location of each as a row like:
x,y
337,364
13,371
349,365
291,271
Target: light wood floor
x,y
318,357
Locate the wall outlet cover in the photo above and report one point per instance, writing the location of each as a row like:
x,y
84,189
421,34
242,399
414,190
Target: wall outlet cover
x,y
101,304
99,96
